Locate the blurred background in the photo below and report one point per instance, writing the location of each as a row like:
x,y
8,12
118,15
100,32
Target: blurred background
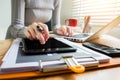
x,y
101,12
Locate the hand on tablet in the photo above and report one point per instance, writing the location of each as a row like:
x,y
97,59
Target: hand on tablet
x,y
32,32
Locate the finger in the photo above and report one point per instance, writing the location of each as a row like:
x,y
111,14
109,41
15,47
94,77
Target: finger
x,y
40,38
32,32
39,35
61,31
64,30
69,30
27,34
34,25
46,31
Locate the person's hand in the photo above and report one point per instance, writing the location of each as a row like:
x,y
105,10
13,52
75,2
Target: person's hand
x,y
64,30
31,32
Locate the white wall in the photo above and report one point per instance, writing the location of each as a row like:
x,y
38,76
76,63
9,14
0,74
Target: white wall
x,y
5,17
66,10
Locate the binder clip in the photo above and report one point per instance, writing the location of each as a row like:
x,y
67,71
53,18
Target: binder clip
x,y
77,65
73,65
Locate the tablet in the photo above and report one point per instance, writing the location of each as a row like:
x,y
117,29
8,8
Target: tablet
x,y
51,46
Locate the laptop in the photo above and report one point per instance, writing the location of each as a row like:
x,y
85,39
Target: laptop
x,y
87,37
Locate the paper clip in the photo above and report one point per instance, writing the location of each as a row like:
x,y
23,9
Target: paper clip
x,y
73,65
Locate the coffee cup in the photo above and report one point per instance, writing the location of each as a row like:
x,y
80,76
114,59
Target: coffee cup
x,y
71,22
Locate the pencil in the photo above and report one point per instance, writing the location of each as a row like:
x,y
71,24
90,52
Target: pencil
x,y
86,22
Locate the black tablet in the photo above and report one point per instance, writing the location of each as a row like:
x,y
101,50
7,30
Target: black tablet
x,y
51,46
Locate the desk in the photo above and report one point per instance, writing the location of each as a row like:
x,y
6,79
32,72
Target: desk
x,y
112,73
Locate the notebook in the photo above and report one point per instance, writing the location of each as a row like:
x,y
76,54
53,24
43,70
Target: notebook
x,y
86,37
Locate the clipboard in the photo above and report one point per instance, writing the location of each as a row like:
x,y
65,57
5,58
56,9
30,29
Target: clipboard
x,y
113,63
29,63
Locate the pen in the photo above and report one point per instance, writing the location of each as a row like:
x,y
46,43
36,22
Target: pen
x,y
86,27
39,28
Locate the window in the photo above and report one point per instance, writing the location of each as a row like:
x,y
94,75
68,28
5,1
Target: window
x,y
101,11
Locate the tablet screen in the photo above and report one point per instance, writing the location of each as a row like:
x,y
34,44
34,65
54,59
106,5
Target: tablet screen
x,y
51,46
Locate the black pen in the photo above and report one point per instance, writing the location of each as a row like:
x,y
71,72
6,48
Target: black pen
x,y
39,28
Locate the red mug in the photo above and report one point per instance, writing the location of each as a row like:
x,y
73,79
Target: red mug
x,y
71,22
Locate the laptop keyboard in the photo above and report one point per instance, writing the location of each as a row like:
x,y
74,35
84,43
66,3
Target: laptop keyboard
x,y
81,35
110,51
78,37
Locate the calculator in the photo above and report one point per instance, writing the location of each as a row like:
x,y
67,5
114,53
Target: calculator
x,y
110,51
